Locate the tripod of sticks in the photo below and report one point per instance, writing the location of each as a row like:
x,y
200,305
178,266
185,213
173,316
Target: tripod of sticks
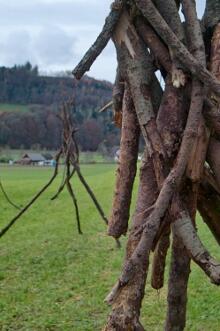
x,y
70,152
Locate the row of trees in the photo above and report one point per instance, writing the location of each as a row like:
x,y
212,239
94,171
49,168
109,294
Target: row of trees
x,y
41,126
24,85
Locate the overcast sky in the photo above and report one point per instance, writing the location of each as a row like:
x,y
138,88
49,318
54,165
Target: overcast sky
x,y
54,34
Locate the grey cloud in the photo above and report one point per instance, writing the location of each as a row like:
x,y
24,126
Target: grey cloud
x,y
57,12
55,33
38,12
17,48
54,46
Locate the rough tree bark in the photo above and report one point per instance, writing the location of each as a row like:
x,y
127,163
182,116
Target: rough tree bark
x,y
209,207
118,222
127,304
181,131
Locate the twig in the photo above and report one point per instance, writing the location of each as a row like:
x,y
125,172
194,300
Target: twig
x,y
61,188
7,197
106,107
25,208
71,192
91,194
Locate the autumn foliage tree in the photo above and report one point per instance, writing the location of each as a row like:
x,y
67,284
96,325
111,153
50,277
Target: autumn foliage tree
x,y
180,124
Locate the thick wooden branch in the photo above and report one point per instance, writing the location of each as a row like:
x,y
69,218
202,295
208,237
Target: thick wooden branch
x,y
215,49
209,207
180,51
117,98
212,13
170,185
172,116
138,70
169,11
197,159
213,155
118,92
126,301
126,172
177,286
159,260
213,158
212,117
185,230
102,40
161,54
156,45
171,120
180,264
211,110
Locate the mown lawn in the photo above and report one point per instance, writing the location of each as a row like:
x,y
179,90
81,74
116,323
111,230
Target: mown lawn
x,y
53,279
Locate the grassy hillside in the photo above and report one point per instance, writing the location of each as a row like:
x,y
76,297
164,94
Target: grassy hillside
x,y
53,279
7,107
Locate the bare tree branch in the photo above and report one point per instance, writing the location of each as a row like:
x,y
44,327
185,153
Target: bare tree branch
x,y
102,40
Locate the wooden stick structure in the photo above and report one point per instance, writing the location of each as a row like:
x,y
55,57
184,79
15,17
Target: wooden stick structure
x,y
70,152
180,171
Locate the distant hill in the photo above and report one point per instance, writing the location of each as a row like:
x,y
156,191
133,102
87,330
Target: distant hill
x,y
23,85
29,104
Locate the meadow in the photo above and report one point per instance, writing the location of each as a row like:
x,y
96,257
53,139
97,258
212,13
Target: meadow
x,y
10,107
53,279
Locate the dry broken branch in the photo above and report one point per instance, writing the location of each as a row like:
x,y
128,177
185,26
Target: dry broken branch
x,y
102,40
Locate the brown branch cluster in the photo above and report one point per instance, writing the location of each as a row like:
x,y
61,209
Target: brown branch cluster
x,y
180,171
70,152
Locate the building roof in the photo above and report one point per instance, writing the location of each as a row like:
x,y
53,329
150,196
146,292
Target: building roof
x,y
47,156
35,157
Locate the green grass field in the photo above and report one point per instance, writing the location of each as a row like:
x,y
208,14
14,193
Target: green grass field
x,y
53,279
9,107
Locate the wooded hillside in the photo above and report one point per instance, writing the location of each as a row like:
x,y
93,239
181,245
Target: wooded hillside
x,y
22,85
